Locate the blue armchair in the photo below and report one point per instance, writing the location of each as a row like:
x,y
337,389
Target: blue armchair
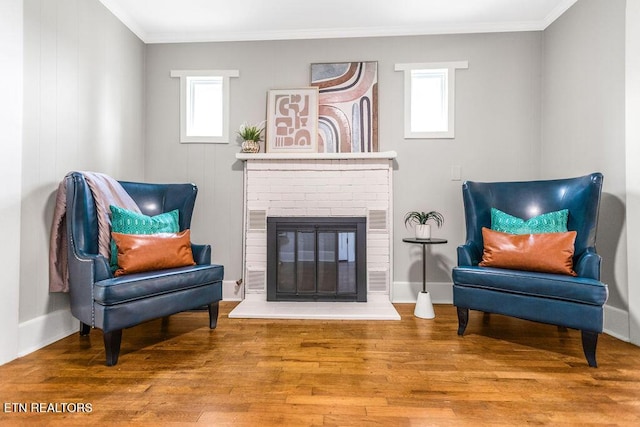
x,y
558,299
100,300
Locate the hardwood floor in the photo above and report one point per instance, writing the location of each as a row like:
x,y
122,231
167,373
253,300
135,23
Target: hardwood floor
x,y
412,372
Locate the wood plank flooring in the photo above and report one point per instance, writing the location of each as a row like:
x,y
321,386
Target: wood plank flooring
x,y
248,372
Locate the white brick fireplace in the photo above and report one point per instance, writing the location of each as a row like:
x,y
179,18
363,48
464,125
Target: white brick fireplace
x,y
319,185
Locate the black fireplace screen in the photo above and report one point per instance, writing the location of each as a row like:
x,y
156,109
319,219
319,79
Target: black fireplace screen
x,y
316,259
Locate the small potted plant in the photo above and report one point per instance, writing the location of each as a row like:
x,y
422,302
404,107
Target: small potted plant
x,y
420,220
251,136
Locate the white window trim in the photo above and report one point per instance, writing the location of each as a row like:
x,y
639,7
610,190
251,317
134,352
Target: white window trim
x,y
451,67
226,75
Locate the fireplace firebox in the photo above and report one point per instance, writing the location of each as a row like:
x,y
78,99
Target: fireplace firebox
x,y
316,259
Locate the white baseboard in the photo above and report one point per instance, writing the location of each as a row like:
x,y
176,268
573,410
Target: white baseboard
x,y
407,292
616,323
44,330
231,291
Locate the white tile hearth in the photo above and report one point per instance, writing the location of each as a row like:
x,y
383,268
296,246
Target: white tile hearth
x,y
378,307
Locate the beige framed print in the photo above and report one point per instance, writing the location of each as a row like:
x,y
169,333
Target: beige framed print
x,y
292,120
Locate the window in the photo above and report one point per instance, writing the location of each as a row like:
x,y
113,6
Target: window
x,y
429,91
204,105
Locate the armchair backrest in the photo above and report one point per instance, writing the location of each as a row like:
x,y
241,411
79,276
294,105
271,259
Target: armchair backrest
x,y
152,199
581,196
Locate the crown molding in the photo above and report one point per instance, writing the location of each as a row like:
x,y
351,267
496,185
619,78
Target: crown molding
x,y
333,33
126,19
557,12
339,33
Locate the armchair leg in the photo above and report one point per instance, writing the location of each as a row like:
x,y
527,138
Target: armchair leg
x,y
112,342
84,329
213,315
589,343
463,319
486,317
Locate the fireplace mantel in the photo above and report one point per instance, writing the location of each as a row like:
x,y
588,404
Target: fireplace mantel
x,y
317,156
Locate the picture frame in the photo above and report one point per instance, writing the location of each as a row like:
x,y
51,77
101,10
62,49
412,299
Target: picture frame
x,y
347,106
292,120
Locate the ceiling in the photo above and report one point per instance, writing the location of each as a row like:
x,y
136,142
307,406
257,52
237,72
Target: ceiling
x,y
168,21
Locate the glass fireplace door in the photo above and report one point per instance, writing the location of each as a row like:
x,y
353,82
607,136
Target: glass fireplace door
x,y
305,262
317,262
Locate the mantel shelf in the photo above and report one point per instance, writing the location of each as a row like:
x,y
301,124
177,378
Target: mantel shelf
x,y
317,156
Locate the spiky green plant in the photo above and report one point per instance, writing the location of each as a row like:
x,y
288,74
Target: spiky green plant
x,y
251,132
416,217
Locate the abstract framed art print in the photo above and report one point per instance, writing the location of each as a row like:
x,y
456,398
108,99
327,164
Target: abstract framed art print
x,y
292,120
348,106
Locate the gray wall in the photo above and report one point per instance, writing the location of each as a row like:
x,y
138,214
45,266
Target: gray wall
x,y
10,172
632,60
583,119
83,110
497,127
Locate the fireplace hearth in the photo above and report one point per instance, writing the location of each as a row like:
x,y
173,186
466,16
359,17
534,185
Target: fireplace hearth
x,y
316,259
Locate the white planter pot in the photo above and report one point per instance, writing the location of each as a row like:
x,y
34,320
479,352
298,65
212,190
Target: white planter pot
x,y
249,146
423,231
424,306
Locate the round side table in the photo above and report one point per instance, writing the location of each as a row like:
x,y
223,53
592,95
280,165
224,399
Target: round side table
x,y
424,307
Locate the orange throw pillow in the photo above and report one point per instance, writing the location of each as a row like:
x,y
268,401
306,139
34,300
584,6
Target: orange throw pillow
x,y
146,252
545,253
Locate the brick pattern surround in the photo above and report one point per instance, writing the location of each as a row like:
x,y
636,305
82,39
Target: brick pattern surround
x,y
319,187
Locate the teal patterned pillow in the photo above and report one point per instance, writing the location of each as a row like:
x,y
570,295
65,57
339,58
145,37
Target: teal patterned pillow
x,y
551,222
128,222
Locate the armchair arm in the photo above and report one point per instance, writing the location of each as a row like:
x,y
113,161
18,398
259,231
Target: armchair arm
x,y
468,255
84,271
88,268
201,254
588,264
